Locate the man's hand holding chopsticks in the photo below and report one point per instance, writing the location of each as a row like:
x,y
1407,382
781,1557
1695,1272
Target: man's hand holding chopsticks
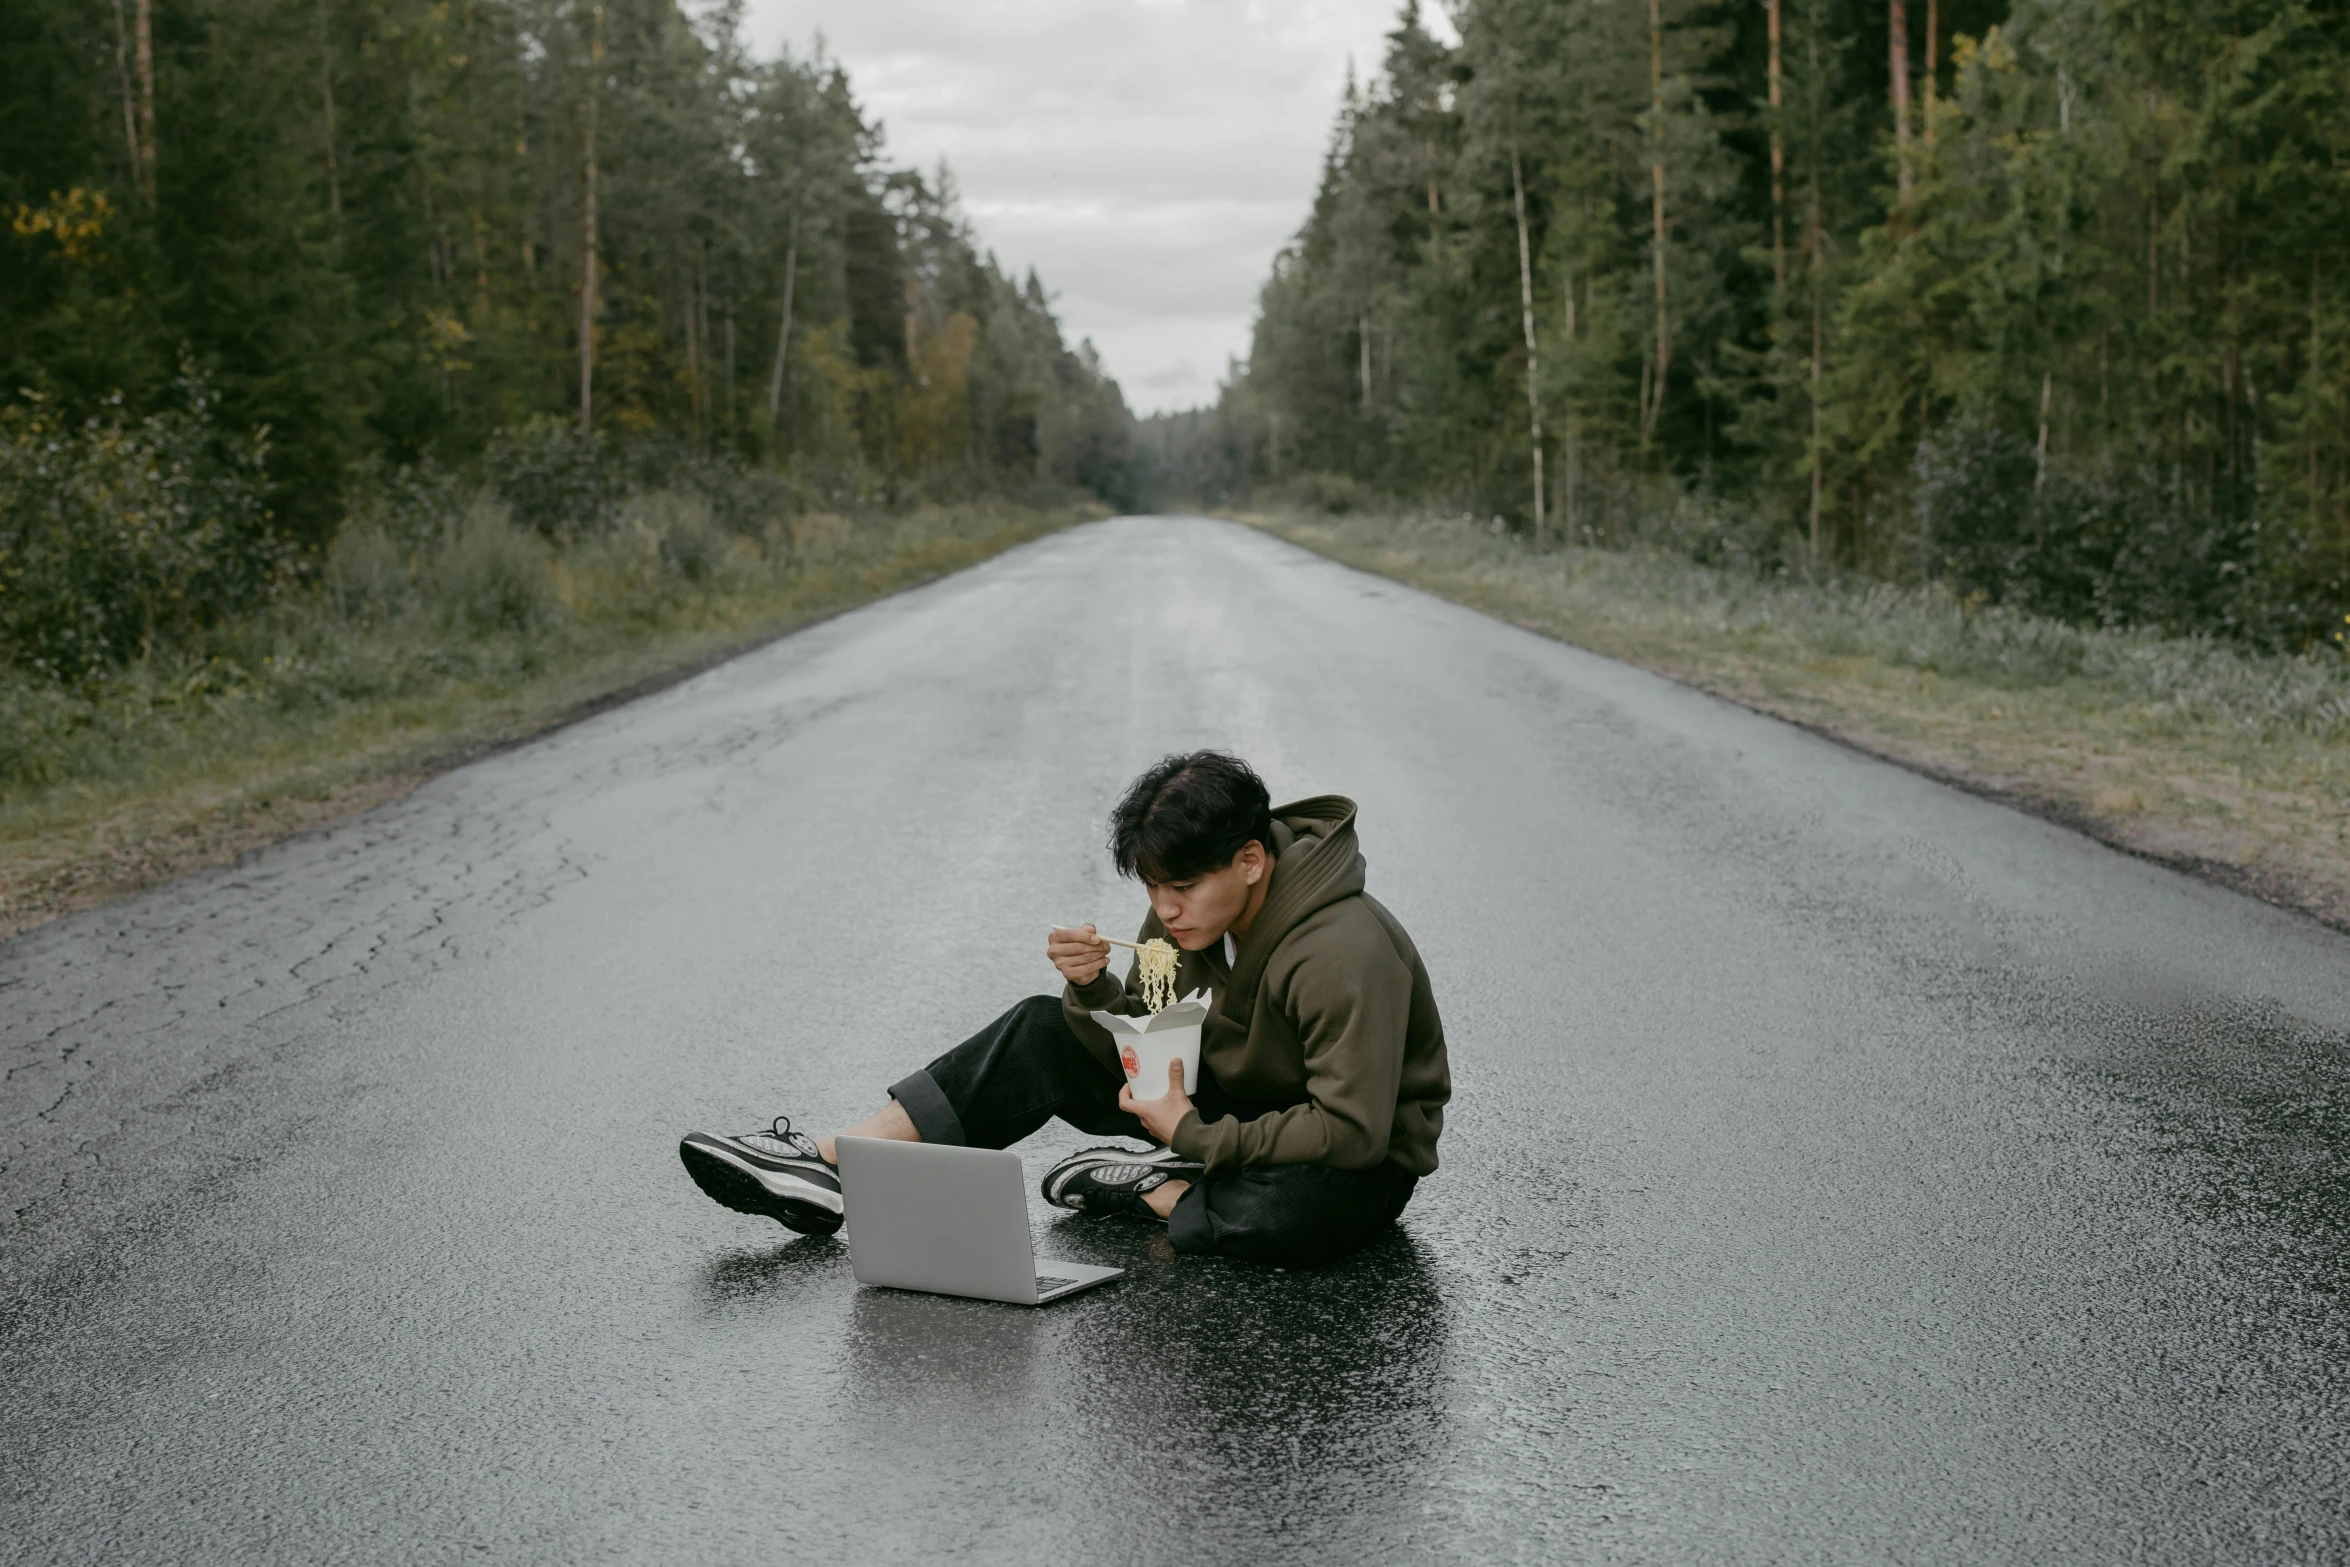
x,y
1079,954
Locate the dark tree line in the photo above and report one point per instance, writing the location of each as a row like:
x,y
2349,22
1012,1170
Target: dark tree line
x,y
384,231
2045,298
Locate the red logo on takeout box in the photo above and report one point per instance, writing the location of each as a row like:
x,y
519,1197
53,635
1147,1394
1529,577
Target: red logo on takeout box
x,y
1129,1060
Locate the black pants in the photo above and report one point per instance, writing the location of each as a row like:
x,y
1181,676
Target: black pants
x,y
1027,1067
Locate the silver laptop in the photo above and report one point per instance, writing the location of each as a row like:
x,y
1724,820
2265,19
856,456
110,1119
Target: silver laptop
x,y
953,1221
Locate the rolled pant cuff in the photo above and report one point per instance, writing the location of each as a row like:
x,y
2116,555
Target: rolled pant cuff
x,y
926,1105
1188,1229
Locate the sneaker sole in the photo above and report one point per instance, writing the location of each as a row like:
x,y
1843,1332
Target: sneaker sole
x,y
1057,1179
729,1185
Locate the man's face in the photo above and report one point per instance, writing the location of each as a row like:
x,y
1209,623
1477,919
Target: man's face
x,y
1198,912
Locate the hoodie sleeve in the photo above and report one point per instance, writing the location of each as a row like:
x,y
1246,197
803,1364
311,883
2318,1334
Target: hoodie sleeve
x,y
1350,1002
1106,992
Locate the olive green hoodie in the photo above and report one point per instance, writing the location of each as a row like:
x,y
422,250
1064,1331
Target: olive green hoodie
x,y
1325,1018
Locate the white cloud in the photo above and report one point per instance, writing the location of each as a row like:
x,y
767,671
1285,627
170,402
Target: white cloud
x,y
1146,157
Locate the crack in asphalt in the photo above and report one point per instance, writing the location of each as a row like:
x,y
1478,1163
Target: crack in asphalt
x,y
262,958
388,897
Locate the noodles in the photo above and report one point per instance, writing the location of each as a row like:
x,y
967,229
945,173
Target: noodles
x,y
1154,973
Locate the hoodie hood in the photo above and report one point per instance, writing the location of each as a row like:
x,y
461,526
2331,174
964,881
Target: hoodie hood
x,y
1316,862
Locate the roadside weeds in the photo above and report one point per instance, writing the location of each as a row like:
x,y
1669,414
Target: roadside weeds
x,y
150,800
2229,765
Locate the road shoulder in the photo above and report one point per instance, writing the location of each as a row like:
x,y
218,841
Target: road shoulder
x,y
2265,813
79,845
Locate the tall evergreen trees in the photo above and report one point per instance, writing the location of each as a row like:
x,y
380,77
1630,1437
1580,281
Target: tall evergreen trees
x,y
2036,295
383,230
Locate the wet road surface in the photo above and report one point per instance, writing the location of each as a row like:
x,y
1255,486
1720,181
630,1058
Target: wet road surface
x,y
1841,1168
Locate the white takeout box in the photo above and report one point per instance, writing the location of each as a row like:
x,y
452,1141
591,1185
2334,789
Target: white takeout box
x,y
1147,1044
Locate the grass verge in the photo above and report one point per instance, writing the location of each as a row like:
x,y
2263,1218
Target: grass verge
x,y
2229,764
409,660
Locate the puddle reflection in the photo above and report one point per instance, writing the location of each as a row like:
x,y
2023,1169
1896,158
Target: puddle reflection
x,y
749,1278
904,1347
1201,1397
1318,1395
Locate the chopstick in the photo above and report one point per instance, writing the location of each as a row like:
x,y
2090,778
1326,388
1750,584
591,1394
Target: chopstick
x,y
1130,946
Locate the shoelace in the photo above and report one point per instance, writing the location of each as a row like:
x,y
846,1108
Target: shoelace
x,y
799,1142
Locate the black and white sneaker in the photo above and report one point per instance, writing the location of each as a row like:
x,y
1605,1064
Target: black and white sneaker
x,y
1112,1180
776,1174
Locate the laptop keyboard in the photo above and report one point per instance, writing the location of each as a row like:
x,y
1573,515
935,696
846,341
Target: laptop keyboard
x,y
1046,1283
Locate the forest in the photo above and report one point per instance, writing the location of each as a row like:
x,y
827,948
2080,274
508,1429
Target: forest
x,y
2043,300
271,265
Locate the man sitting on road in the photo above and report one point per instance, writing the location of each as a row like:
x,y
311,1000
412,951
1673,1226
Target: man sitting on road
x,y
1322,1074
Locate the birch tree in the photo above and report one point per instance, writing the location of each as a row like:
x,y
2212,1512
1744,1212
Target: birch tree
x,y
589,239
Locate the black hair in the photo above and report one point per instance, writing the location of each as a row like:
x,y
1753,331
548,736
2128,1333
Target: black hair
x,y
1189,814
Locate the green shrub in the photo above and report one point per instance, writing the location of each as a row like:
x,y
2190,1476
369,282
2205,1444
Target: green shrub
x,y
555,479
1335,494
2111,544
747,502
492,575
38,719
365,578
120,533
414,505
682,535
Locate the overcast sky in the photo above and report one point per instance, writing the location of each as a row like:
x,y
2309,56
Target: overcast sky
x,y
1147,157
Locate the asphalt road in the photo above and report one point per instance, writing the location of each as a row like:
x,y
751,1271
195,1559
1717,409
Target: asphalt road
x,y
1841,1167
